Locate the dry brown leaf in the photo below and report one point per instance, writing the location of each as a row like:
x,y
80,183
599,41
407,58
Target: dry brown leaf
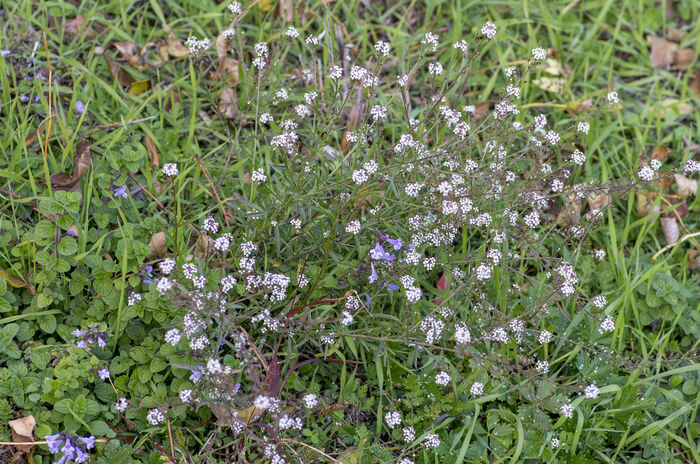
x,y
693,259
666,181
35,135
81,164
130,52
660,153
152,152
579,106
23,431
551,84
174,46
662,51
695,85
146,52
228,103
77,28
643,203
481,110
670,229
684,57
686,187
158,244
17,282
120,73
202,247
676,35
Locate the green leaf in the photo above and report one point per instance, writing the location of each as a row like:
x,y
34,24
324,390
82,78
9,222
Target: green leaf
x,y
67,246
101,429
5,306
44,229
43,300
157,365
50,206
63,406
40,358
79,406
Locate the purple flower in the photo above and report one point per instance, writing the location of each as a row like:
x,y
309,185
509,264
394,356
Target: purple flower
x,y
373,277
80,455
78,333
79,106
54,442
392,287
149,272
120,192
397,244
68,449
378,253
89,441
72,233
196,374
101,342
4,53
103,373
369,299
81,343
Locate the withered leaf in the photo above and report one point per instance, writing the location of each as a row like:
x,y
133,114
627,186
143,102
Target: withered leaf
x,y
158,244
120,73
130,52
17,282
81,164
174,46
77,27
146,52
695,85
139,87
693,259
481,110
152,152
202,247
686,187
551,84
684,57
670,229
23,431
662,51
660,153
228,103
35,135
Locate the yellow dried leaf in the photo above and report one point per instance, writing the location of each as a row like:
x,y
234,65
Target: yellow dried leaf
x,y
551,84
175,47
139,87
662,51
670,229
158,244
686,187
23,431
552,66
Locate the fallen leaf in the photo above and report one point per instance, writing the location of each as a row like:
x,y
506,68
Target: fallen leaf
x,y
139,87
77,28
683,58
36,134
17,282
662,51
579,106
23,431
146,52
130,52
81,164
158,244
120,73
481,110
671,104
695,85
686,187
693,259
670,229
152,152
660,153
272,379
174,47
202,247
676,35
551,84
249,414
228,103
552,66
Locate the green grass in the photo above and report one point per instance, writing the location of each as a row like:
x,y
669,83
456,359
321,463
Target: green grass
x,y
649,404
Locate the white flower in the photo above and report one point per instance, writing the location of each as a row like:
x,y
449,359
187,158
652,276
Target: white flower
x,y
353,227
488,30
583,127
382,48
607,325
539,54
170,169
613,98
259,176
155,417
435,69
599,301
646,173
235,8
567,410
173,336
393,419
477,389
164,284
591,392
292,32
545,336
121,404
310,400
430,39
442,378
542,366
347,318
409,434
